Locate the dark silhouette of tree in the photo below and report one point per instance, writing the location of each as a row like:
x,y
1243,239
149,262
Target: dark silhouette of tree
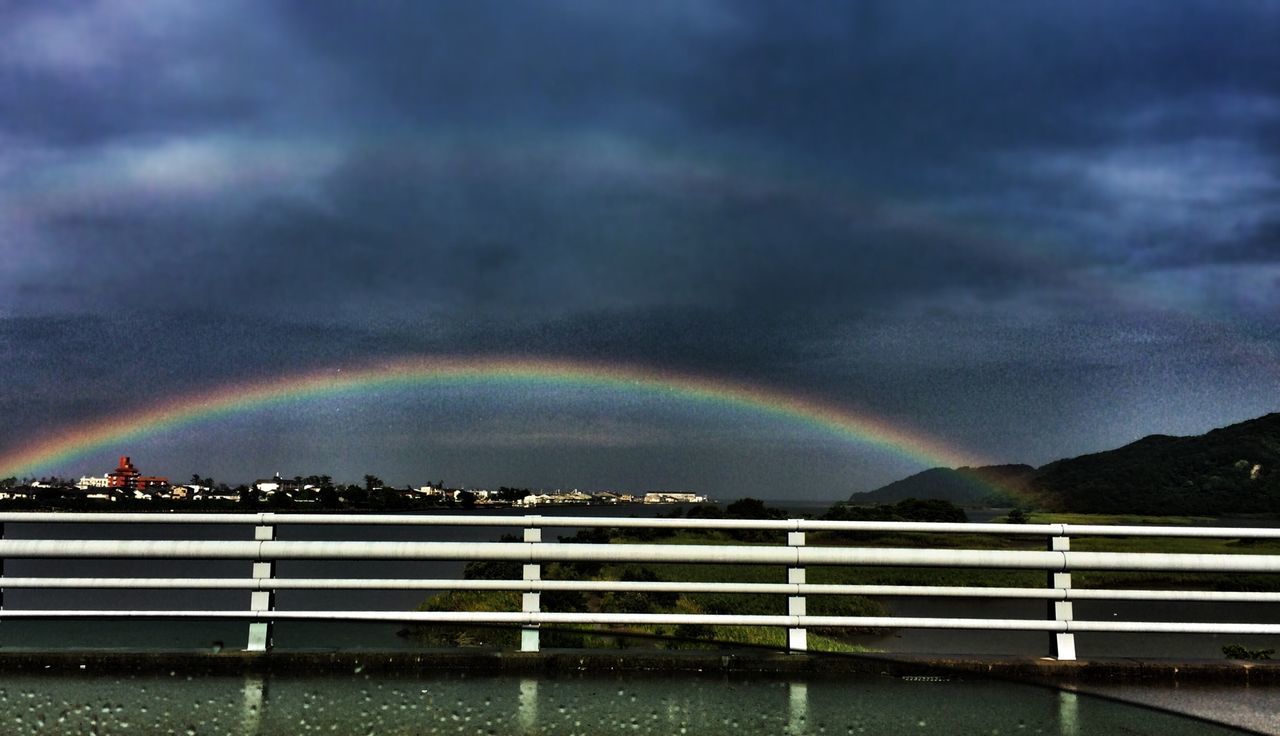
x,y
356,496
329,497
752,508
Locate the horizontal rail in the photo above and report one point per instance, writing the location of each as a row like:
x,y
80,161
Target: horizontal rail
x,y
654,553
640,619
264,551
620,586
271,518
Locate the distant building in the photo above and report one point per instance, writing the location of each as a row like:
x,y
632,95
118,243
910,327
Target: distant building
x,y
557,497
93,481
665,497
214,494
276,485
127,476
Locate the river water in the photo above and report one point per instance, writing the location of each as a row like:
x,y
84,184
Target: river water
x,y
597,704
303,635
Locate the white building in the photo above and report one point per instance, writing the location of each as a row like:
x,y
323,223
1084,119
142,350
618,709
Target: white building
x,y
276,485
214,494
544,499
666,497
93,481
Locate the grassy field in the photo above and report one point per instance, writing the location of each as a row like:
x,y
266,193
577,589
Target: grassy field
x,y
665,636
715,603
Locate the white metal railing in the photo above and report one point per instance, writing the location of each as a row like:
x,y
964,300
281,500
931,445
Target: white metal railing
x,y
264,551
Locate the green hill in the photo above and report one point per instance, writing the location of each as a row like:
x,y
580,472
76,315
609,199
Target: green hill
x,y
1234,469
983,486
1229,470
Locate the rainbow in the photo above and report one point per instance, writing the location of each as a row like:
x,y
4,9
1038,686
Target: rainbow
x,y
858,427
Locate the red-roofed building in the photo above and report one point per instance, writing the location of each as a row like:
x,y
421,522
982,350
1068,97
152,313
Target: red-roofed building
x,y
127,476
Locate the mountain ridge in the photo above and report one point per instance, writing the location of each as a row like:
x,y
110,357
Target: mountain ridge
x,y
1231,469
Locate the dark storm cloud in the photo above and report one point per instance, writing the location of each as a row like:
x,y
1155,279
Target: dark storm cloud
x,y
62,369
481,236
964,216
952,78
564,63
545,238
784,81
83,74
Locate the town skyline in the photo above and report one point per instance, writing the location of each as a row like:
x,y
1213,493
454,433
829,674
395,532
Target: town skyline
x,y
128,487
127,477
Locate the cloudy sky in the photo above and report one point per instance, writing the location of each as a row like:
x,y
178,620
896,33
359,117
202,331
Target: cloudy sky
x,y
1027,230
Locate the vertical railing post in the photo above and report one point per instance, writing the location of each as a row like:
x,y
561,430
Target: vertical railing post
x,y
797,638
1,569
1064,644
260,632
531,600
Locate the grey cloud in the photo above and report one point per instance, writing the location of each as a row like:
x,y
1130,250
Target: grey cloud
x,y
83,74
911,81
512,66
968,217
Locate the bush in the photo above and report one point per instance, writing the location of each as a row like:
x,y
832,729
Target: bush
x,y
911,509
628,602
723,604
468,636
1235,651
492,570
752,508
564,601
704,512
645,575
694,631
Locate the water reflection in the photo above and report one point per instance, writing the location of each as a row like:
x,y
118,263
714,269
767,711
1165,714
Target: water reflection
x,y
798,707
1068,713
359,702
255,691
528,711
